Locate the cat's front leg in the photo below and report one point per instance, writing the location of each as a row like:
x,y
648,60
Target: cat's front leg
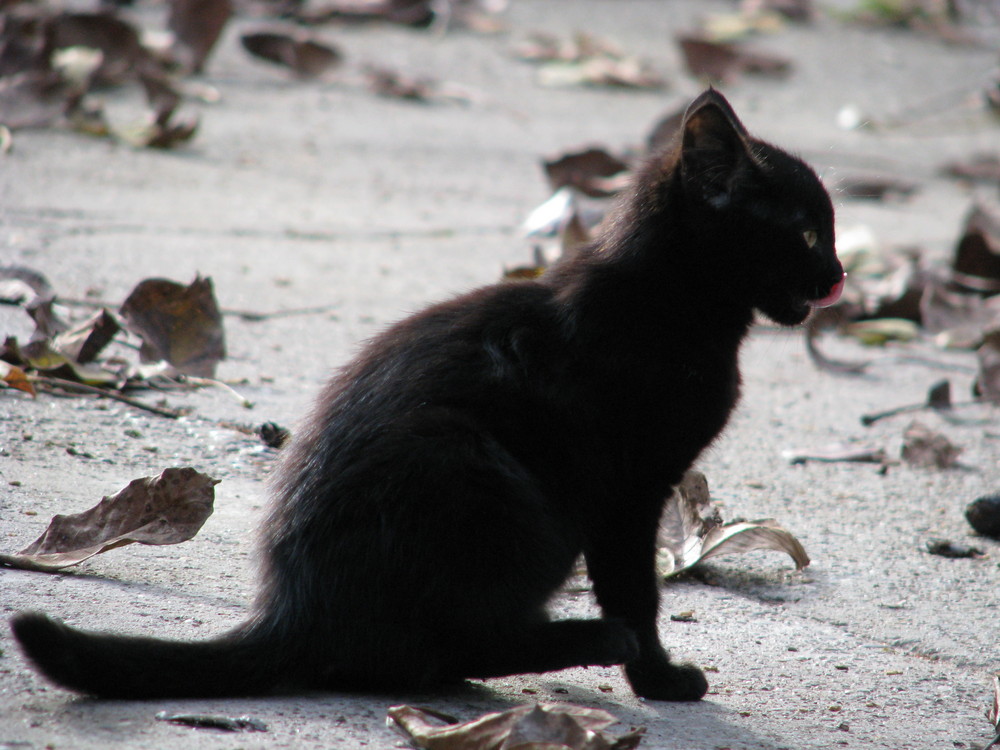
x,y
621,564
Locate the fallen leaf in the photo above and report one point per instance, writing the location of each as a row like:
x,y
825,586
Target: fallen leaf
x,y
544,47
41,356
983,514
405,12
959,319
795,10
987,385
541,726
13,376
211,721
976,264
159,132
926,448
167,509
273,435
626,72
118,41
687,536
880,332
946,548
593,171
197,25
394,85
306,56
84,342
179,324
723,62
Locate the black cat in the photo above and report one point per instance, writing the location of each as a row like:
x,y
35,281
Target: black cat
x,y
451,476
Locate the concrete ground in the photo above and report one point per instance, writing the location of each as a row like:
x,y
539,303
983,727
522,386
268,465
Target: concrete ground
x,y
302,194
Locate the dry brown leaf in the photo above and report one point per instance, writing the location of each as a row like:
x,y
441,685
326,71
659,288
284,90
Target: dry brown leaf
x,y
687,535
795,10
13,376
988,354
538,727
167,509
306,56
197,25
84,342
926,448
722,62
593,171
179,324
122,53
976,265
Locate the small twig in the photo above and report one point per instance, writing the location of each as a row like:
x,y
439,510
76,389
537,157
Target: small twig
x,y
255,317
69,385
243,400
869,419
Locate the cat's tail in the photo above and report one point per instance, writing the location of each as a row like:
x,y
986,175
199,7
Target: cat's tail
x,y
245,661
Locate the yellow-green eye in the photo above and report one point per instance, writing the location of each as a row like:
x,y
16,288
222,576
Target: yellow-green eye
x,y
810,237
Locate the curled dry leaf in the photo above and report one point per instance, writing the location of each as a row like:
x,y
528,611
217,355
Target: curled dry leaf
x,y
562,726
924,447
947,548
13,376
688,535
976,264
84,342
593,171
166,509
117,40
179,324
725,62
795,10
197,25
987,384
306,56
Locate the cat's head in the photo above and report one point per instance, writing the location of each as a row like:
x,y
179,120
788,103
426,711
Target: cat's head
x,y
771,217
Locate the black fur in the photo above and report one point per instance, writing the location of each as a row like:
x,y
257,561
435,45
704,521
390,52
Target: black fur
x,y
450,477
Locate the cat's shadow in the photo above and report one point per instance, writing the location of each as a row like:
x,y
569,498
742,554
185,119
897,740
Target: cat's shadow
x,y
696,724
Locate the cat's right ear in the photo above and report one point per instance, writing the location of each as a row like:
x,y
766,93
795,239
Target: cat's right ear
x,y
713,148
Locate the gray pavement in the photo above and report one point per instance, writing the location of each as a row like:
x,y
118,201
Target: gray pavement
x,y
300,194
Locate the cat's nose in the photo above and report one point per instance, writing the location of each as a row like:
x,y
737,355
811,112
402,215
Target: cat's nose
x,y
832,297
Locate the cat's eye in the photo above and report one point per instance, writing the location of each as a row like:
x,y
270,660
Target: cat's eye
x,y
810,237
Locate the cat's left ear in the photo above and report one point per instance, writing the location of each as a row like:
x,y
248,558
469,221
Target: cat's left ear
x,y
714,148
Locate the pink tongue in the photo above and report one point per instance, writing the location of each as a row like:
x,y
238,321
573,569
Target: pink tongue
x,y
832,297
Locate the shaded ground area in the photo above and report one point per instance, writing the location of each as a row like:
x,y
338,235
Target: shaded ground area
x,y
302,194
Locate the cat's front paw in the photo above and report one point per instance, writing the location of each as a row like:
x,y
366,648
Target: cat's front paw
x,y
662,681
